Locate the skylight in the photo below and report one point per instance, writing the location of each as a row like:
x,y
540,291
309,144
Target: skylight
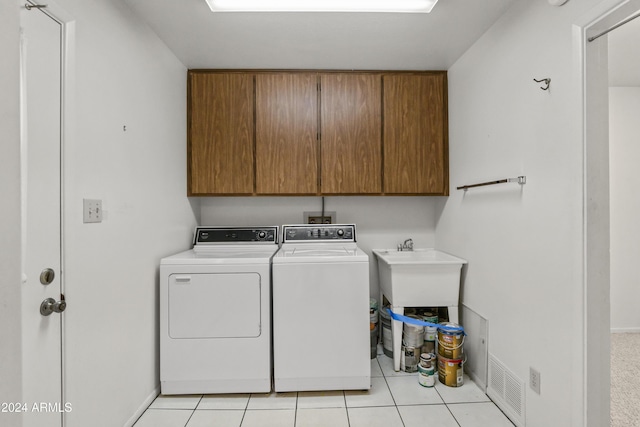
x,y
392,6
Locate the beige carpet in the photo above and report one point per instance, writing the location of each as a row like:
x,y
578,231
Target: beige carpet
x,y
625,380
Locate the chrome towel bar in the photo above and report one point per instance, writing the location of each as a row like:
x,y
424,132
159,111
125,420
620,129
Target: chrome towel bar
x,y
520,180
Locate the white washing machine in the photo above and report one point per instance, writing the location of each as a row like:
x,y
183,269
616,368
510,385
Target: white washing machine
x,y
215,317
321,338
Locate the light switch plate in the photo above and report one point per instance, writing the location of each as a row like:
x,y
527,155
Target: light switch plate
x,y
92,210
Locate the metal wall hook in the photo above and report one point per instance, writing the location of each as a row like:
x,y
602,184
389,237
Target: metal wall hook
x,y
546,81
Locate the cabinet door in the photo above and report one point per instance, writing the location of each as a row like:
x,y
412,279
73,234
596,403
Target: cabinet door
x,y
221,134
415,134
287,133
351,133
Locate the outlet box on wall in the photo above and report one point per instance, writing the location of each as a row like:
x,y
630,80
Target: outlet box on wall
x,y
534,379
318,218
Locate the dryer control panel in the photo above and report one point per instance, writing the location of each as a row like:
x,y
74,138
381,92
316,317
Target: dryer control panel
x,y
319,233
213,235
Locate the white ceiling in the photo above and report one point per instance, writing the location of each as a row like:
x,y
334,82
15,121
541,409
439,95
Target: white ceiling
x,y
434,41
624,55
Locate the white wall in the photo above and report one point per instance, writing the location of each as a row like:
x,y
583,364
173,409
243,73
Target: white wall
x,y
624,128
382,222
10,332
124,76
524,244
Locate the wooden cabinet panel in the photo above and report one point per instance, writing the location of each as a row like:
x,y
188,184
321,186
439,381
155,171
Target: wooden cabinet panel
x,y
415,134
257,132
351,133
221,132
286,133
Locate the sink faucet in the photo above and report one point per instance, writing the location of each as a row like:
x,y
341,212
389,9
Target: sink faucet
x,y
406,246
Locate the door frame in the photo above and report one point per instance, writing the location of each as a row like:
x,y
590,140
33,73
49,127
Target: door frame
x,y
593,298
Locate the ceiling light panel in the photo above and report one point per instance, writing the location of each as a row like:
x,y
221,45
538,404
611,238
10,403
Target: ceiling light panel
x,y
391,6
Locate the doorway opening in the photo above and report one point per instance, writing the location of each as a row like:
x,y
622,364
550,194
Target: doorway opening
x,y
624,109
594,63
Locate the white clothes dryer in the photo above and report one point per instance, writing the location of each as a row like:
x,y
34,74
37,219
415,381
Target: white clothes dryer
x,y
321,338
215,317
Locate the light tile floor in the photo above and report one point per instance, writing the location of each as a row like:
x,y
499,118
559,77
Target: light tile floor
x,y
395,400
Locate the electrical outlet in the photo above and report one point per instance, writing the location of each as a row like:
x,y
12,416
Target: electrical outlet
x,y
317,218
92,210
534,380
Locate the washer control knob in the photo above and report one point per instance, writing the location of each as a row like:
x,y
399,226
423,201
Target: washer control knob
x,y
340,232
262,235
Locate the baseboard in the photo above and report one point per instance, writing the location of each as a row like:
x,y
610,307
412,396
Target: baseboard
x,y
131,421
625,330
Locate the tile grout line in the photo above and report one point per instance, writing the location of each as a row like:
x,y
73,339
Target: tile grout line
x,y
452,415
246,407
392,397
449,409
344,397
193,411
199,401
446,404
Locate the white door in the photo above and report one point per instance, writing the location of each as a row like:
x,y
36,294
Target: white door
x,y
41,233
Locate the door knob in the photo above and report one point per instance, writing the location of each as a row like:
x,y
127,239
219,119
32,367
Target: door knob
x,y
50,305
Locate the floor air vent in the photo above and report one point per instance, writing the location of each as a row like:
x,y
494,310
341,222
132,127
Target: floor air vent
x,y
506,390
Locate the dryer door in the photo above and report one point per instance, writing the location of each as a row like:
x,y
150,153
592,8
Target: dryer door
x,y
214,305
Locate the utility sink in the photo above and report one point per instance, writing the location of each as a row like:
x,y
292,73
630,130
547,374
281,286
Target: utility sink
x,y
418,278
417,256
427,275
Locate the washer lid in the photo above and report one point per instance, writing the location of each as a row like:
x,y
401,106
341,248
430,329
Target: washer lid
x,y
320,253
223,254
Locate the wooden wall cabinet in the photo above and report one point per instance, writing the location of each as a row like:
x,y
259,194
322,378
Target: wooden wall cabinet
x,y
351,133
287,133
220,153
415,134
317,133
